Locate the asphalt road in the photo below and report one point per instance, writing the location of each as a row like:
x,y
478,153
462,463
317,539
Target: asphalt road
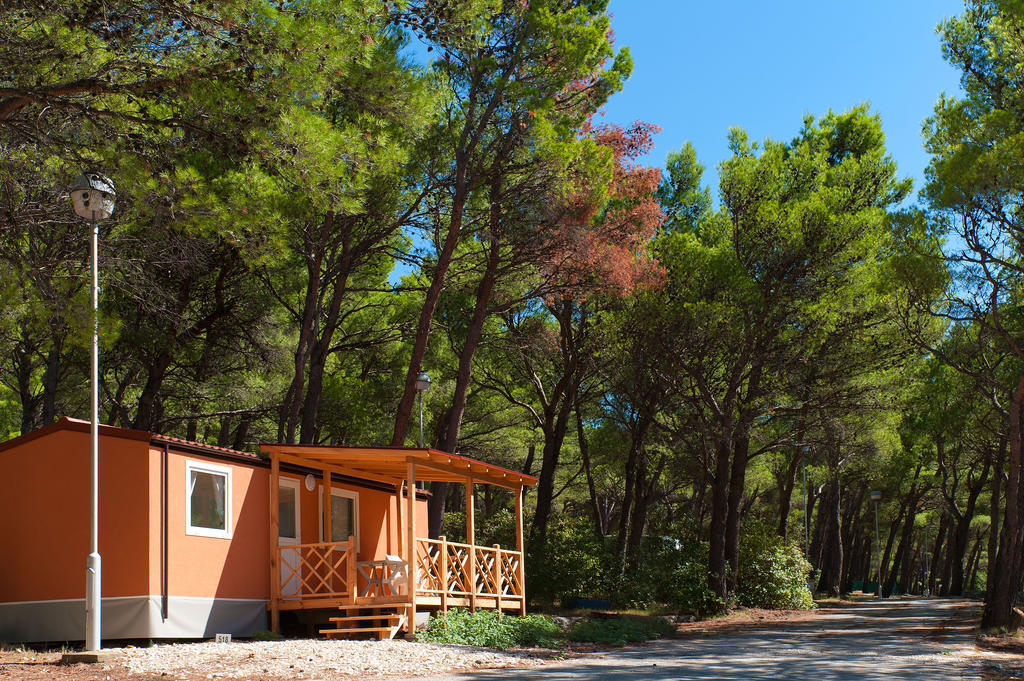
x,y
890,640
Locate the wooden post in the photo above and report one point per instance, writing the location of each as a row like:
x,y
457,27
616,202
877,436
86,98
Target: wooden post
x,y
399,527
275,565
328,515
519,548
444,573
497,578
350,569
471,540
410,543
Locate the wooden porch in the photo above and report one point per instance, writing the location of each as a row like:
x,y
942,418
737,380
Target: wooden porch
x,y
386,590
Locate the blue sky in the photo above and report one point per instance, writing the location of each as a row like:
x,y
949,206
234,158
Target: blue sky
x,y
701,67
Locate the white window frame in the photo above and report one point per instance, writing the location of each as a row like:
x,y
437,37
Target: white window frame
x,y
297,486
349,494
203,467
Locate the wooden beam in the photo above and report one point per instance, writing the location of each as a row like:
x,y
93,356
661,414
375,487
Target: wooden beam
x,y
275,566
519,548
337,470
410,545
362,455
471,540
467,472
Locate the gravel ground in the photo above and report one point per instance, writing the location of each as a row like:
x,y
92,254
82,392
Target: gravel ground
x,y
291,659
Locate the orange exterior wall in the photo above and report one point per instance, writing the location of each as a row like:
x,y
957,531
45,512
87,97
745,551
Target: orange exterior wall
x,y
45,511
45,528
213,567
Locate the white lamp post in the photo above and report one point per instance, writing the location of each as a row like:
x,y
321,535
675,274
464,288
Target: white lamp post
x,y
93,196
422,386
876,496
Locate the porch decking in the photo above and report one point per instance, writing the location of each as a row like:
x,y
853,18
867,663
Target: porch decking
x,y
429,572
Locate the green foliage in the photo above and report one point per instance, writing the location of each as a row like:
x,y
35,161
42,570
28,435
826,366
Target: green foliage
x,y
573,563
488,629
677,570
618,631
772,574
265,635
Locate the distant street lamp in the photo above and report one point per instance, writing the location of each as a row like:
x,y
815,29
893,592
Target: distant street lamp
x,y
876,496
422,386
93,196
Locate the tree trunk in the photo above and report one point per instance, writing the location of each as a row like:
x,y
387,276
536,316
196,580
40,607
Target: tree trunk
x,y
554,436
832,553
998,611
595,507
321,344
786,493
940,538
737,480
994,508
453,418
717,583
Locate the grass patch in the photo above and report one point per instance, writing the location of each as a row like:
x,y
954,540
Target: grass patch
x,y
486,629
618,631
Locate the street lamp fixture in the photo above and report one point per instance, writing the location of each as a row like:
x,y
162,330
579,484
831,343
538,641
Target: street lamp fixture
x,y
876,496
422,386
93,196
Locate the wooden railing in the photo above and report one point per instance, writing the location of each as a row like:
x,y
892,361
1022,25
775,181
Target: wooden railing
x,y
322,570
469,573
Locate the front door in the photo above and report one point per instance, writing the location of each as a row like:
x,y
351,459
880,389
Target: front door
x,y
288,534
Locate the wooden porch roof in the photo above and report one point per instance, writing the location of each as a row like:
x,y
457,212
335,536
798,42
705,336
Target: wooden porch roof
x,y
390,464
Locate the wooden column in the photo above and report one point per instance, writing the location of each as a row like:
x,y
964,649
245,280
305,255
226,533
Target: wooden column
x,y
350,569
497,578
275,565
444,573
519,548
410,544
399,545
328,516
471,540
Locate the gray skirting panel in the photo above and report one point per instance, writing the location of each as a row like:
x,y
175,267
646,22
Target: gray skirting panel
x,y
132,617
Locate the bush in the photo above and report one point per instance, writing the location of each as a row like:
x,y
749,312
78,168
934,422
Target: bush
x,y
677,570
485,629
619,631
772,574
575,563
572,563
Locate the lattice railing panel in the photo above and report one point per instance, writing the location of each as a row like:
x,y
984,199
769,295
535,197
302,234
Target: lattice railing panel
x,y
486,583
462,570
428,558
510,585
318,570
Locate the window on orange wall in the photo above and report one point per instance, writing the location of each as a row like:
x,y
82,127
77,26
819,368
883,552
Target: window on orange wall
x,y
344,515
208,500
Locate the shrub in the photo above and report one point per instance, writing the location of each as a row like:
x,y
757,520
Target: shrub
x,y
484,628
677,569
572,563
619,631
772,574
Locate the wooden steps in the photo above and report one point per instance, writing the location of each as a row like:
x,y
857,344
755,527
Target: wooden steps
x,y
389,620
